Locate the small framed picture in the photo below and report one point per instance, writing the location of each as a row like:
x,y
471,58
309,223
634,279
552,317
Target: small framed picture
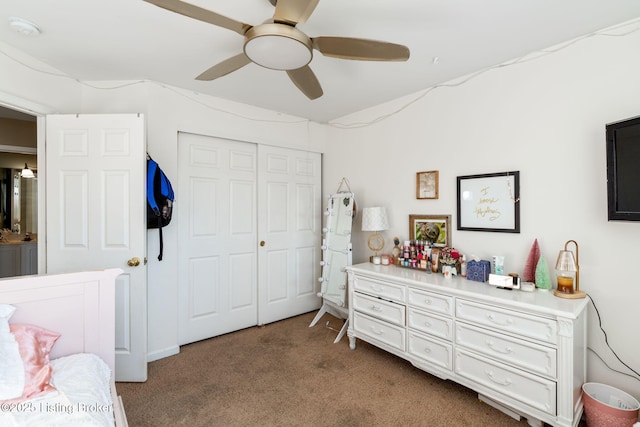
x,y
427,185
434,229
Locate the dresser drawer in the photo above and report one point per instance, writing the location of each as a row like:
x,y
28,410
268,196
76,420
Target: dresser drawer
x,y
535,391
379,330
384,290
379,308
434,351
509,321
533,357
430,323
430,301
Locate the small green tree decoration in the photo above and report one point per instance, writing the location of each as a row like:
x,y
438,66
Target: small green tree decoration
x,y
543,278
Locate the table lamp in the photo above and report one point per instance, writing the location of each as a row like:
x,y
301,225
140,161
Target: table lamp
x,y
568,271
375,219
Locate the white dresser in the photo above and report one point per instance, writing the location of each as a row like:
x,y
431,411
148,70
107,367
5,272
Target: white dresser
x,y
523,352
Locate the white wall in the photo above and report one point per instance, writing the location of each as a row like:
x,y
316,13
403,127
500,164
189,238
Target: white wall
x,y
33,86
545,118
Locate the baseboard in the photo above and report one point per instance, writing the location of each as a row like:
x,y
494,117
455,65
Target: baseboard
x,y
161,354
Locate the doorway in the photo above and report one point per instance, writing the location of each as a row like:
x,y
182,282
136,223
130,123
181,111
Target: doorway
x,y
18,194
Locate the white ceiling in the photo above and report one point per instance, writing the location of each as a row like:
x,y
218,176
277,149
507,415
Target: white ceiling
x,y
106,40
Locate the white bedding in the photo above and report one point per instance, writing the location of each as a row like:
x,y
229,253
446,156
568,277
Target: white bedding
x,y
82,397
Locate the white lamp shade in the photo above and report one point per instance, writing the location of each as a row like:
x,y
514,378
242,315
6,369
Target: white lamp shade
x,y
374,219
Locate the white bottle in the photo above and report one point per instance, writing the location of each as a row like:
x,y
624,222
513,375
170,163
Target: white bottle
x,y
463,266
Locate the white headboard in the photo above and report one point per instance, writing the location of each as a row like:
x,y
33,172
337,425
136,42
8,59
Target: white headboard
x,y
80,306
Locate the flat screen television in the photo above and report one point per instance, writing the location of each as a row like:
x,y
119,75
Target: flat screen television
x,y
623,170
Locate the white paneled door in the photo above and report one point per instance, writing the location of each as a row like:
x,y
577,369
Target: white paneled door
x,y
96,207
217,236
289,206
226,234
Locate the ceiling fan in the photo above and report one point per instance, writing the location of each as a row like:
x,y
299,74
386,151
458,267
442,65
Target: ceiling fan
x,y
277,43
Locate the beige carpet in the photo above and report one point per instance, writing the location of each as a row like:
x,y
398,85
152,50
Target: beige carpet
x,y
287,374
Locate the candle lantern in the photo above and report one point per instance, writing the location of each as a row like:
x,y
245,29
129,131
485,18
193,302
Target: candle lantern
x,y
568,273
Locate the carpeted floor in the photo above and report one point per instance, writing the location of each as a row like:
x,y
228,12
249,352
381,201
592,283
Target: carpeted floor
x,y
287,374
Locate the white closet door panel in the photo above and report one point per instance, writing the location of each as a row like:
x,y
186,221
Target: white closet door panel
x,y
277,207
289,194
243,281
242,213
217,228
242,161
277,163
204,286
306,259
278,278
305,204
202,212
204,156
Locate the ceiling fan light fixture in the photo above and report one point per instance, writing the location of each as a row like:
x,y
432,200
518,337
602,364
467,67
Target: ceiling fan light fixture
x,y
278,47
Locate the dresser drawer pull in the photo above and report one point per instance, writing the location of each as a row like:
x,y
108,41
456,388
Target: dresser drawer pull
x,y
493,319
377,288
427,350
427,301
492,346
496,380
376,307
427,324
377,332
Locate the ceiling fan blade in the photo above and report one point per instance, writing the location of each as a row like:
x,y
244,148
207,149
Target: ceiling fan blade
x,y
306,81
360,49
294,11
196,12
225,67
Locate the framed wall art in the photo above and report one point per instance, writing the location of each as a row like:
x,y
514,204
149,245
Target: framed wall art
x,y
435,229
427,185
489,202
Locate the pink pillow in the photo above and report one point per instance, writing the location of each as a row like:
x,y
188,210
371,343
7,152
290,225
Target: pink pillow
x,y
35,344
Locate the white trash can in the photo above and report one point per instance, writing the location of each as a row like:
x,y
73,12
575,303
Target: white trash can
x,y
606,406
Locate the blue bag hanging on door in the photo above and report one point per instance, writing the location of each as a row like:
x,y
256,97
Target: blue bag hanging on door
x,y
160,199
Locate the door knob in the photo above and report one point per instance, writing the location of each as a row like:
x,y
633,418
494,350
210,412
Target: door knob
x,y
262,243
133,262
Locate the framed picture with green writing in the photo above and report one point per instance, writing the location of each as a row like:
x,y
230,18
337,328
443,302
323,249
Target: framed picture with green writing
x,y
489,202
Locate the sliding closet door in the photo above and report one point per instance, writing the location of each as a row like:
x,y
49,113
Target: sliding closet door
x,y
249,234
289,202
216,205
